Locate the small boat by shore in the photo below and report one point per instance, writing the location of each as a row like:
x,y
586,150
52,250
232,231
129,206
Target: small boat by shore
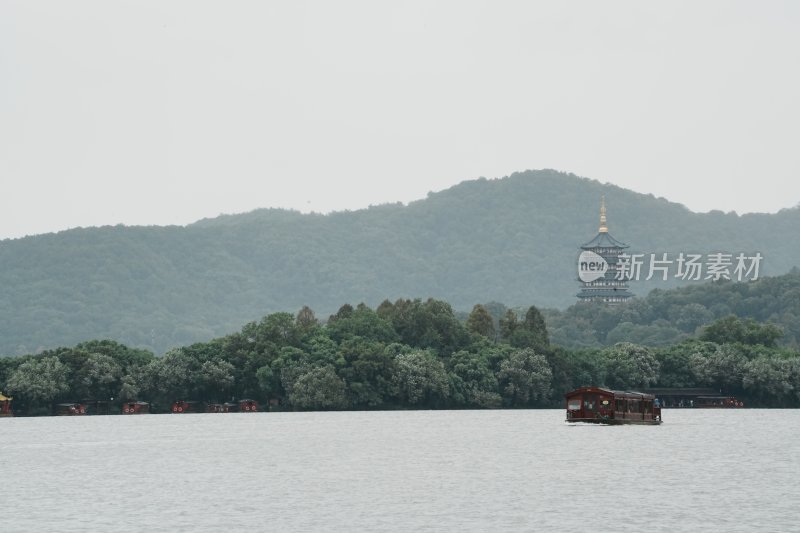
x,y
135,408
247,405
597,405
693,397
70,409
241,406
5,405
187,406
717,402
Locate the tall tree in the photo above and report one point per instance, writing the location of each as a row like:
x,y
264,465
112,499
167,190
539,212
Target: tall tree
x,y
532,332
39,381
319,389
344,311
525,378
306,320
362,322
746,331
480,322
100,377
368,371
721,367
129,388
508,324
472,382
217,379
420,380
629,365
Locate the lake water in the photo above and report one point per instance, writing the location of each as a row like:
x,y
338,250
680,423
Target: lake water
x,y
702,470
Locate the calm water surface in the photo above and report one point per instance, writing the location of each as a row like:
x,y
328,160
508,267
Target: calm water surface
x,y
702,470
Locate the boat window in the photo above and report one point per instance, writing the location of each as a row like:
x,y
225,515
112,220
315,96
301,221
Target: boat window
x,y
589,403
574,404
605,403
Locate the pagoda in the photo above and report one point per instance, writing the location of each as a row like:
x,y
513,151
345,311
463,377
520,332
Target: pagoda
x,y
601,284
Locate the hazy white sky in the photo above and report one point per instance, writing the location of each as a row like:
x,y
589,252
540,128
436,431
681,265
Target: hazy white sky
x,y
166,112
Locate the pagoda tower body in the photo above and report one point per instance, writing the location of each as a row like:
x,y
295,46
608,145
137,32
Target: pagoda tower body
x,y
606,288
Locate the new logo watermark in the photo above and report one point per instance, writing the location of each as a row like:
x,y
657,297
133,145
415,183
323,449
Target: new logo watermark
x,y
591,266
666,265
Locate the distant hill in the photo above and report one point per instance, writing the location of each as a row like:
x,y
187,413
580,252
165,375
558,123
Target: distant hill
x,y
512,240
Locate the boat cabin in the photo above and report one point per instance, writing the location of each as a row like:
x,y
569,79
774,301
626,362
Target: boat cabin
x,y
70,409
682,397
248,405
598,405
135,408
183,406
97,407
717,402
215,408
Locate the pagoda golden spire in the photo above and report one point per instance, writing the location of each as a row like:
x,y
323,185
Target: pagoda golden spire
x,y
603,227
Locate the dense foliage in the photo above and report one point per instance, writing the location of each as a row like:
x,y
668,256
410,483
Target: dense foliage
x,y
512,240
406,354
666,317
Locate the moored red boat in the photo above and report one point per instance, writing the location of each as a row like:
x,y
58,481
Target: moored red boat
x,y
215,408
599,405
5,405
717,402
183,406
240,406
248,406
70,409
135,408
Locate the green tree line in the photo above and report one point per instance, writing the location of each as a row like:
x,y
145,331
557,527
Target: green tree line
x,y
409,354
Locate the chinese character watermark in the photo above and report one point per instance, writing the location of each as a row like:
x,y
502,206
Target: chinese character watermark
x,y
690,267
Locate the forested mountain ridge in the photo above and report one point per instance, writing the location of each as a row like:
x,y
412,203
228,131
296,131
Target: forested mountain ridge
x,y
513,240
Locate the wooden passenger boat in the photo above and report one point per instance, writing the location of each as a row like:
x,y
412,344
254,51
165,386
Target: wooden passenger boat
x,y
241,406
215,408
248,406
96,407
717,402
5,405
135,408
692,397
70,409
183,406
598,405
